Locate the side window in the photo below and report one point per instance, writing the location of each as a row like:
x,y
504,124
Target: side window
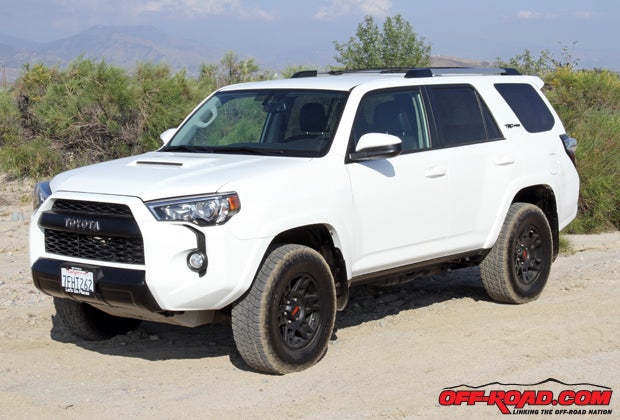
x,y
461,116
527,105
400,113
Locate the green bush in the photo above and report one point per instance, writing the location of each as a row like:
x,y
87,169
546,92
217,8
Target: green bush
x,y
37,158
9,118
90,113
589,104
164,99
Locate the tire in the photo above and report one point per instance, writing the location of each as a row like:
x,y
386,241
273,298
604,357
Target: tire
x,y
285,321
89,323
517,267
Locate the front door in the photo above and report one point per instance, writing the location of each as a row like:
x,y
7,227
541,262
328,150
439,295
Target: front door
x,y
402,204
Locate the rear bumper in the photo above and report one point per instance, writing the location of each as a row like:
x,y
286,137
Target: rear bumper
x,y
114,287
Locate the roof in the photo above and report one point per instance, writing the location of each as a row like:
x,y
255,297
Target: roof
x,y
342,82
347,80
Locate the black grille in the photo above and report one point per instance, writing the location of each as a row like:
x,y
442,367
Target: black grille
x,y
91,208
117,237
102,248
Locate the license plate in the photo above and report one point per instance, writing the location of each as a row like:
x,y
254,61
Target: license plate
x,y
77,280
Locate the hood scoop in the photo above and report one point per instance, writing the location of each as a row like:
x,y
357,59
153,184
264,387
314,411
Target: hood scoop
x,y
158,163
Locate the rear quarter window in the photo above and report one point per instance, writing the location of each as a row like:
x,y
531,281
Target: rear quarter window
x,y
527,105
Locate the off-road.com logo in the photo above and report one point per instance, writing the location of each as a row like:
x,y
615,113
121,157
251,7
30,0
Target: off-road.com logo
x,y
580,399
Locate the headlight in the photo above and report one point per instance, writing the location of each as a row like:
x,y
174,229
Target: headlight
x,y
41,191
214,209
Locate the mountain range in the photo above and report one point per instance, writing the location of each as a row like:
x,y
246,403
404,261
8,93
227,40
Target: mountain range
x,y
126,45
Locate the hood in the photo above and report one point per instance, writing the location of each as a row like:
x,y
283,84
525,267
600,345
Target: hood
x,y
156,175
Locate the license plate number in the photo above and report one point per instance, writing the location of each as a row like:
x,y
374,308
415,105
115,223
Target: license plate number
x,y
77,280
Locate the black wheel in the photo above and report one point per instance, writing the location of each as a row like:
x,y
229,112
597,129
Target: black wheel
x,y
517,267
284,323
89,323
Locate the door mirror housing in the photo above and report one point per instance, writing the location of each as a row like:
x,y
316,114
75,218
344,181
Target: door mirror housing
x,y
167,135
373,146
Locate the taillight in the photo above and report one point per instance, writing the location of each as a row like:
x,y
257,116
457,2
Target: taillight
x,y
570,145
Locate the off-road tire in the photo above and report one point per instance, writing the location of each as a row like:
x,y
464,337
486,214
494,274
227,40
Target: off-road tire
x,y
517,267
285,321
89,323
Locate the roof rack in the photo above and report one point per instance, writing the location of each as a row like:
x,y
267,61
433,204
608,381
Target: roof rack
x,y
305,73
417,72
444,71
315,73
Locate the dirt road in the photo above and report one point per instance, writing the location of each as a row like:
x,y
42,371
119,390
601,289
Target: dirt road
x,y
393,353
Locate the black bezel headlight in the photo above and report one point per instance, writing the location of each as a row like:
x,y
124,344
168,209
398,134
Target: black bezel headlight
x,y
204,210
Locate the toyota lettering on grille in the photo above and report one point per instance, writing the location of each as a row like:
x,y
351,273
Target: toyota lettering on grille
x,y
76,223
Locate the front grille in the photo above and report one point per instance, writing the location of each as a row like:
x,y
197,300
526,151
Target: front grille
x,y
91,208
116,238
91,247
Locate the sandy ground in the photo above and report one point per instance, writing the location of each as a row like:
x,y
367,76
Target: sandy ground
x,y
394,350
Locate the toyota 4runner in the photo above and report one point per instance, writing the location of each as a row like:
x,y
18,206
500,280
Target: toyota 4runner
x,y
273,198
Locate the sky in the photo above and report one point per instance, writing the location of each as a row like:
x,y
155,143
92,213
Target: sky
x,y
287,31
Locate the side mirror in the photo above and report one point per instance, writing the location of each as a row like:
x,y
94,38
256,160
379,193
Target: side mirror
x,y
374,146
167,135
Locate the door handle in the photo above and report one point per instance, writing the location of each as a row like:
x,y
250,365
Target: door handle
x,y
435,172
505,160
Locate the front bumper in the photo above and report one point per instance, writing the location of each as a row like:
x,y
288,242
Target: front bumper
x,y
162,282
115,287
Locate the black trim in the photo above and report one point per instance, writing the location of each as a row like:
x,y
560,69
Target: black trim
x,y
158,163
105,225
304,73
201,245
434,266
375,153
115,287
415,72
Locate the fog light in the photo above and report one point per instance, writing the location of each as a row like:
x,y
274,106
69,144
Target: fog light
x,y
197,261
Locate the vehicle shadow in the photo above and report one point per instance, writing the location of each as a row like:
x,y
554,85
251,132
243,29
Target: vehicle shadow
x,y
154,341
371,303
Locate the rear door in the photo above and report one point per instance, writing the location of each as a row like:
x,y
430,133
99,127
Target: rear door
x,y
481,163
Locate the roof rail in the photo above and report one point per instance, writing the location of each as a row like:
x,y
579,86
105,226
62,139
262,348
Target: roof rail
x,y
443,71
416,72
386,70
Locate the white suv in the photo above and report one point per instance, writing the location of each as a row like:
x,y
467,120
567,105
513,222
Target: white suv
x,y
273,198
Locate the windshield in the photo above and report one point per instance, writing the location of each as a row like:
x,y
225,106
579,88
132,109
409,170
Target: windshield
x,y
278,122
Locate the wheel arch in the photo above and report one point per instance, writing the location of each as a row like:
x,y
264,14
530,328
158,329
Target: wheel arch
x,y
320,237
543,197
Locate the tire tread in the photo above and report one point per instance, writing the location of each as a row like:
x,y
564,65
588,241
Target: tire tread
x,y
495,268
249,315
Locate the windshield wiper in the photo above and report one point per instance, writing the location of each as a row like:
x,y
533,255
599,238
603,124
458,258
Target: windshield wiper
x,y
248,150
223,149
187,148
